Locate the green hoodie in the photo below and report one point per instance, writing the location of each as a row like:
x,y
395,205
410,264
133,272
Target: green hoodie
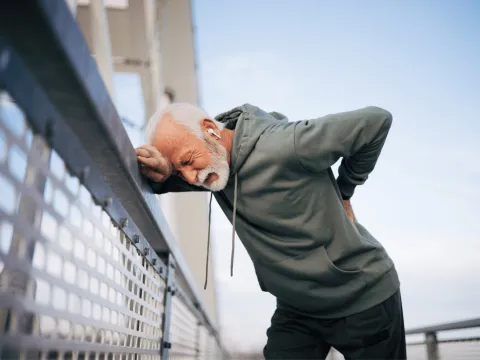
x,y
286,207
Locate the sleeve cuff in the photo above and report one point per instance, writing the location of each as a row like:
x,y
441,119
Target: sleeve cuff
x,y
346,189
156,186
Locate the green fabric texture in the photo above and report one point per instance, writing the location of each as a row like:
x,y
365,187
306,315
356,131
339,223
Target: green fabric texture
x,y
290,215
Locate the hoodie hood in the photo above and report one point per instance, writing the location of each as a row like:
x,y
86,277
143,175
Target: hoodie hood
x,y
249,122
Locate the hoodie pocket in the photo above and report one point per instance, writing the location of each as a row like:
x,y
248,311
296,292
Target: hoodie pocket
x,y
335,270
311,282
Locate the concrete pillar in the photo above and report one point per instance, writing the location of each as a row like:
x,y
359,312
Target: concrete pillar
x,y
186,213
145,50
101,45
432,346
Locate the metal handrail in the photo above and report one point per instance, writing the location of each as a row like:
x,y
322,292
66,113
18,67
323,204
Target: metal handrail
x,y
456,325
46,63
431,340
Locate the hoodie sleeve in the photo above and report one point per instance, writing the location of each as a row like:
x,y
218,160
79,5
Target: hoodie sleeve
x,y
356,136
173,184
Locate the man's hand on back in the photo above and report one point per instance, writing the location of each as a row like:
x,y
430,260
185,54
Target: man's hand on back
x,y
349,210
153,163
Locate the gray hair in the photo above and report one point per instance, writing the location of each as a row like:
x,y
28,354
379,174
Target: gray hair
x,y
188,115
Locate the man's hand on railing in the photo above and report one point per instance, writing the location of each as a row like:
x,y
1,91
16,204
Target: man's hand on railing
x,y
153,163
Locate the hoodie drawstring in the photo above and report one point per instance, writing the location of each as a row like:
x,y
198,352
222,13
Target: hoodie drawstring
x,y
208,240
233,225
233,232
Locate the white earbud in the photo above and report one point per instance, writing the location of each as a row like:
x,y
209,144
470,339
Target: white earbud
x,y
210,131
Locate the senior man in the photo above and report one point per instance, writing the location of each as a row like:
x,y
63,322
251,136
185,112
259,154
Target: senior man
x,y
334,283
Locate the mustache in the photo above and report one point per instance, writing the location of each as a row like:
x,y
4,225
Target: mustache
x,y
202,175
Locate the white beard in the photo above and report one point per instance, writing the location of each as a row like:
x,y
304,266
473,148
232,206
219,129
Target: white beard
x,y
219,166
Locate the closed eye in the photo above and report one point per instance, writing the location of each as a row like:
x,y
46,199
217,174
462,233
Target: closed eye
x,y
188,162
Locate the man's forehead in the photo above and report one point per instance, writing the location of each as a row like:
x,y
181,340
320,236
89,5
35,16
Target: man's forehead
x,y
170,138
167,129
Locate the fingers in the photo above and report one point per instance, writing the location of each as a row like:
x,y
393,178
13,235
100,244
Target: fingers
x,y
149,156
154,175
158,165
142,152
148,151
154,165
149,161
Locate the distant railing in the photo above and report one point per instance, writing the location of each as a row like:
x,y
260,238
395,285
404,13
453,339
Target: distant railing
x,y
432,347
88,266
428,346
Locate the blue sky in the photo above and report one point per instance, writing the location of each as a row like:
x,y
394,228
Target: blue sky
x,y
309,58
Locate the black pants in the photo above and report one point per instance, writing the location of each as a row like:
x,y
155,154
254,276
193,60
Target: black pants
x,y
374,334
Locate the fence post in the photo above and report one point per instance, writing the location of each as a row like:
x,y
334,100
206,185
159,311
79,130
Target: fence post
x,y
432,346
167,307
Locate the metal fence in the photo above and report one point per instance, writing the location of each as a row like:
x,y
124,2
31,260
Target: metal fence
x,y
445,341
88,266
440,342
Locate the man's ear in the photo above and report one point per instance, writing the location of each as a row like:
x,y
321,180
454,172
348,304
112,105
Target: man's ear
x,y
209,127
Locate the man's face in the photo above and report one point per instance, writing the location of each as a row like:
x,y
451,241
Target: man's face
x,y
199,160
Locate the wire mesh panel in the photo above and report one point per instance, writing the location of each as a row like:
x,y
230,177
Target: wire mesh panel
x,y
71,284
212,347
202,343
460,350
184,330
468,349
208,346
417,352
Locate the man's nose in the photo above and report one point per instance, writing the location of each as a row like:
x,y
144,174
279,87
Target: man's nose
x,y
190,176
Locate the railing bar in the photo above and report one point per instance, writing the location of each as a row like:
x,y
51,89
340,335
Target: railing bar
x,y
473,339
458,325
